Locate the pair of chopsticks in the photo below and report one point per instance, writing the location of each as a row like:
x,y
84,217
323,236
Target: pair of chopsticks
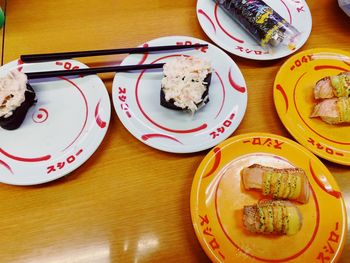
x,y
88,71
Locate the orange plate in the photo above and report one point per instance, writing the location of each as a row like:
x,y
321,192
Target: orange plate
x,y
217,199
294,101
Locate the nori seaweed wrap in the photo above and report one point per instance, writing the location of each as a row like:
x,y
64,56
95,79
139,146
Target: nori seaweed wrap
x,y
16,97
16,119
263,23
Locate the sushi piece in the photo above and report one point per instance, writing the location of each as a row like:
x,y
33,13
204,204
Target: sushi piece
x,y
16,97
272,217
263,23
185,85
333,111
287,183
333,86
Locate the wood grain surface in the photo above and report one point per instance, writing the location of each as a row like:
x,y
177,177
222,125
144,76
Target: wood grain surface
x,y
129,202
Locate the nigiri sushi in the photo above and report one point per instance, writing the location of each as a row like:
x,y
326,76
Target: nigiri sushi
x,y
287,183
16,97
333,111
185,85
272,217
333,86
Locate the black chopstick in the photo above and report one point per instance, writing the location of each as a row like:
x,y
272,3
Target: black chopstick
x,y
90,71
67,55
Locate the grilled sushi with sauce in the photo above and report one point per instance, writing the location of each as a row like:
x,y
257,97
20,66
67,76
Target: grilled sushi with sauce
x,y
333,111
272,217
287,183
185,85
333,86
16,97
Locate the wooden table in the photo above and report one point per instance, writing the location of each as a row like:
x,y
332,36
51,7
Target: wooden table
x,y
129,202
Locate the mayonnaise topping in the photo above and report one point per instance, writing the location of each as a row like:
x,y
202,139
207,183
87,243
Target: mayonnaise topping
x,y
12,90
184,81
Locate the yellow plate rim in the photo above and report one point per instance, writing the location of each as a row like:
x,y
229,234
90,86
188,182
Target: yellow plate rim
x,y
198,177
291,128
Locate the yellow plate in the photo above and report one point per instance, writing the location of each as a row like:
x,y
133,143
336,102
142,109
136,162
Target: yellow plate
x,y
217,199
294,101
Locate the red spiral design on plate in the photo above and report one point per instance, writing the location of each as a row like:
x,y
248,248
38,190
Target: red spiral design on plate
x,y
330,191
98,119
234,84
201,11
223,94
280,89
86,111
19,62
145,55
146,137
217,152
288,10
41,116
25,159
6,166
329,67
222,28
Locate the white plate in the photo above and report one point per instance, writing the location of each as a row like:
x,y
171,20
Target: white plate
x,y
229,35
60,132
136,98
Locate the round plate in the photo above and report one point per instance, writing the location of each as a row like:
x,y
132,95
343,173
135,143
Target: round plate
x,y
229,35
136,98
218,197
294,101
60,132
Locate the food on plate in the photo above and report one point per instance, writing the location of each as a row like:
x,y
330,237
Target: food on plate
x,y
272,217
16,97
263,23
333,111
185,85
333,86
286,183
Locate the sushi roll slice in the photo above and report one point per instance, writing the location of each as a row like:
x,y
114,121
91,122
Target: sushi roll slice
x,y
272,217
262,22
287,183
333,111
185,85
16,97
333,86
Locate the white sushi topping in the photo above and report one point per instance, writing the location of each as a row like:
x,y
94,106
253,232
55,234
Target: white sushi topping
x,y
183,81
12,89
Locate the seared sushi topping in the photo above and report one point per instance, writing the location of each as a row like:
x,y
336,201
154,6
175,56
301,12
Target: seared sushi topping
x,y
333,86
12,89
341,84
343,106
184,81
333,111
272,217
281,184
335,92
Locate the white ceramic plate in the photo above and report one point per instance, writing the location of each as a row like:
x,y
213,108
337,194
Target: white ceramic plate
x,y
229,35
60,132
136,98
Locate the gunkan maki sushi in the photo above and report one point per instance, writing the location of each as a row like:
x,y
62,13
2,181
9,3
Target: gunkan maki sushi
x,y
16,97
185,84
